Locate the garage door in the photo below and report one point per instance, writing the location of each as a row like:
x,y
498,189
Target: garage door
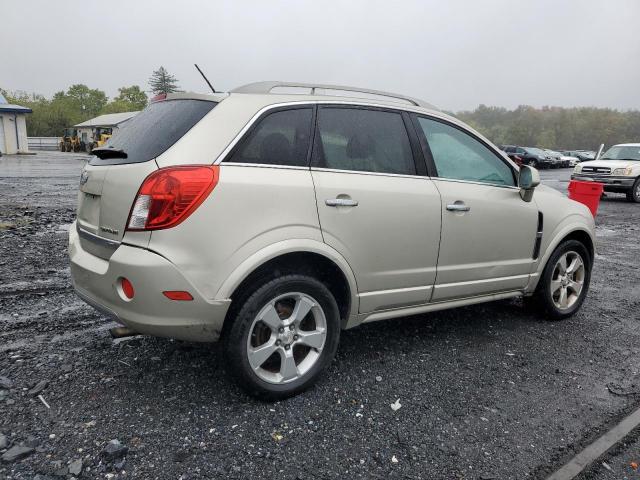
x,y
2,146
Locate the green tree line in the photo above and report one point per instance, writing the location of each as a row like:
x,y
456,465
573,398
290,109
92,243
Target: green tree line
x,y
556,128
548,127
80,103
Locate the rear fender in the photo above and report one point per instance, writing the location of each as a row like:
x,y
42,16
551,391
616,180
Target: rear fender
x,y
281,248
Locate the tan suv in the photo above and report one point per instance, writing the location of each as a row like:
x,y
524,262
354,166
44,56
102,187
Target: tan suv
x,y
278,214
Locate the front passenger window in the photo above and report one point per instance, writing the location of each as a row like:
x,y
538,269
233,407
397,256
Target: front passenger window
x,y
459,156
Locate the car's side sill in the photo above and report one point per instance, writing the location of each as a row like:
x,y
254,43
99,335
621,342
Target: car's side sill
x,y
433,307
390,299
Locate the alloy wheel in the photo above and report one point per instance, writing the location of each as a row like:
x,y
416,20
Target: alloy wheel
x,y
286,338
567,280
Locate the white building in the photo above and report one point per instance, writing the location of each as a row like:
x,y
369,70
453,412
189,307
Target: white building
x,y
103,123
13,127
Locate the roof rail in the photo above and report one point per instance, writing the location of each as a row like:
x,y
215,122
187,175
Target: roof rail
x,y
266,87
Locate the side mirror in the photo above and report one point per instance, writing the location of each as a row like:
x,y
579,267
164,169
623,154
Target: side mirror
x,y
528,180
600,149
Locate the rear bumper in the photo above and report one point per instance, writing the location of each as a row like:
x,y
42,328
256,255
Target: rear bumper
x,y
611,183
149,312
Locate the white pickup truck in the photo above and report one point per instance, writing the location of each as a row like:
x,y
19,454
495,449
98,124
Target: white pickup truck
x,y
618,169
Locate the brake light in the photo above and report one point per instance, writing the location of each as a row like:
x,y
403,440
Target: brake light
x,y
169,195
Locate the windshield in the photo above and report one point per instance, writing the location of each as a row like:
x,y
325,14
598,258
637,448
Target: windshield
x,y
618,152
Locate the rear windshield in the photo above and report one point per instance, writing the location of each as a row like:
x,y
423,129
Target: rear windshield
x,y
154,130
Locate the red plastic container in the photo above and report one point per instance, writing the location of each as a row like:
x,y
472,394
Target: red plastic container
x,y
588,193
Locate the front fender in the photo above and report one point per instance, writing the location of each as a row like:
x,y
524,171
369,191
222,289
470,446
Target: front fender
x,y
572,223
278,249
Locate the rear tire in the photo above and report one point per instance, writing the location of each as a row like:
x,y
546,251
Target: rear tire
x,y
564,284
283,336
634,194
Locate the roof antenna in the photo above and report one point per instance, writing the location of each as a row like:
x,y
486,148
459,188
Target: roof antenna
x,y
205,78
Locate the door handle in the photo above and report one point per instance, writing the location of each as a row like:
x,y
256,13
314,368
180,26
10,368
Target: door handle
x,y
458,207
341,202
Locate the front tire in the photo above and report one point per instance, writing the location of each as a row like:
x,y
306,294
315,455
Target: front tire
x,y
564,282
284,335
634,194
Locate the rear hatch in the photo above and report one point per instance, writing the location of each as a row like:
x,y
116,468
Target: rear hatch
x,y
111,179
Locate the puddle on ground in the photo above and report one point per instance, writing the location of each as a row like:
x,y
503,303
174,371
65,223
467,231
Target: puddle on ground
x,y
605,232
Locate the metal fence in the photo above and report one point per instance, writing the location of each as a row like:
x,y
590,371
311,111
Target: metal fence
x,y
43,143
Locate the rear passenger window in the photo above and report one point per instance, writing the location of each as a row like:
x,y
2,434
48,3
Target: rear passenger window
x,y
281,138
363,140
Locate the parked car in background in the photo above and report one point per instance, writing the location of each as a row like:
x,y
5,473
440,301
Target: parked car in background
x,y
618,169
573,161
534,157
564,161
274,243
513,156
556,158
581,155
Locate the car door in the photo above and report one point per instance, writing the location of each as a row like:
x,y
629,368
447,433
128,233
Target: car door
x,y
376,205
488,231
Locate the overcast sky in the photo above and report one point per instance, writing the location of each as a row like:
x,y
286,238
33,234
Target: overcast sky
x,y
455,54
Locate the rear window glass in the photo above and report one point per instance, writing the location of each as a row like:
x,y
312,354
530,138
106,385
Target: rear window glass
x,y
154,130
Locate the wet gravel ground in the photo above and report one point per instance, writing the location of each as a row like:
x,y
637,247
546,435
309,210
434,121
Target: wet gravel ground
x,y
622,462
486,392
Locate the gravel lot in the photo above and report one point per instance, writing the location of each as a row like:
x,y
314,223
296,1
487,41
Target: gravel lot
x,y
487,392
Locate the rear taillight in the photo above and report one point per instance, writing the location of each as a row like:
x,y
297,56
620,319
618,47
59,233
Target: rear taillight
x,y
169,195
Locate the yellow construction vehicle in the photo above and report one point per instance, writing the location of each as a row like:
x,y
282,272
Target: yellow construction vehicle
x,y
70,141
100,137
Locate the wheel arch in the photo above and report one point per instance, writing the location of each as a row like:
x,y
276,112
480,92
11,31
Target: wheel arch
x,y
291,256
583,237
579,232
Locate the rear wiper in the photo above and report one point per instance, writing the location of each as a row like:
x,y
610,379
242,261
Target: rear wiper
x,y
109,152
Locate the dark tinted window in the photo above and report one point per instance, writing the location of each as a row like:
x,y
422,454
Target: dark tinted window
x,y
155,129
281,138
363,140
459,156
